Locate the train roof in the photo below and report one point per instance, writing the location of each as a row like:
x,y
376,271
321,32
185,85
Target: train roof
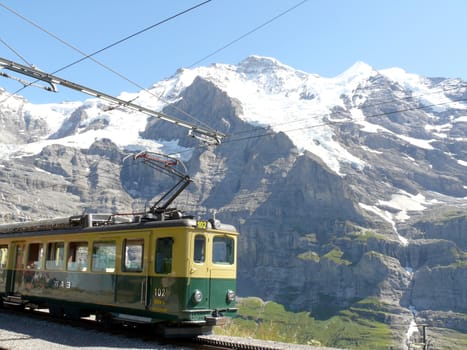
x,y
108,222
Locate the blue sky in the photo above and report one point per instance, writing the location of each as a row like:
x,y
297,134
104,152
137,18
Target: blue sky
x,y
324,37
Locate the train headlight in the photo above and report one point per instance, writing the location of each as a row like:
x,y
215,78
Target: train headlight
x,y
197,296
230,296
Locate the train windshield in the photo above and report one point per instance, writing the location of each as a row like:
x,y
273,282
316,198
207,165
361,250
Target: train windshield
x,y
223,250
199,251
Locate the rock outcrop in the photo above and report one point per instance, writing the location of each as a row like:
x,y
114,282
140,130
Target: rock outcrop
x,y
370,205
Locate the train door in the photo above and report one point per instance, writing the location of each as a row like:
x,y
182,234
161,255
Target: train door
x,y
199,269
132,285
14,280
163,289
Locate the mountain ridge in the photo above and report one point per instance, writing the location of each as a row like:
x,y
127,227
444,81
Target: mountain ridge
x,y
343,188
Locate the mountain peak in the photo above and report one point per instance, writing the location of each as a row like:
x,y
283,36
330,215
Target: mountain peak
x,y
356,176
260,64
358,69
255,60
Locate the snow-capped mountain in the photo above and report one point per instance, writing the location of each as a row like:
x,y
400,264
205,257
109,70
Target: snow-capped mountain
x,y
303,106
343,188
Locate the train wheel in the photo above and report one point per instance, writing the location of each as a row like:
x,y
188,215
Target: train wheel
x,y
73,313
104,319
56,311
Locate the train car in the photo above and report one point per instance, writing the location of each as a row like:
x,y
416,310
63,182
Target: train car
x,y
178,273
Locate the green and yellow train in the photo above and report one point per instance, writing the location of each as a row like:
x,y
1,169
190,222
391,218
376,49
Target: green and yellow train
x,y
178,273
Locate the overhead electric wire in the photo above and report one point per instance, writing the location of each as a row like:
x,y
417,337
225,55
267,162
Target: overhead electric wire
x,y
263,25
90,56
372,105
137,33
248,33
141,31
272,132
15,51
86,56
269,131
130,36
367,117
211,54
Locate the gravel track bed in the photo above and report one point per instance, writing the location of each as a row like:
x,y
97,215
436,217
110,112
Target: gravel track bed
x,y
18,333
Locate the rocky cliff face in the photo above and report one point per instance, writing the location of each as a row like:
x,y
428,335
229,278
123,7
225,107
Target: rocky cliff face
x,y
343,189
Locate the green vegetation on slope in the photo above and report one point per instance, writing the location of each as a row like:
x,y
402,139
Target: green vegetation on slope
x,y
335,255
355,328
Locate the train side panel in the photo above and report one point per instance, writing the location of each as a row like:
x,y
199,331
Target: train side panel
x,y
179,274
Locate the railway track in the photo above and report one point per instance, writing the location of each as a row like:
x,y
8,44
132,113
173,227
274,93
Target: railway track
x,y
133,333
227,342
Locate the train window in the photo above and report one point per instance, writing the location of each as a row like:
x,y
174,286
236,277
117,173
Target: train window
x,y
55,255
35,255
133,255
199,249
223,250
3,256
164,255
103,256
77,256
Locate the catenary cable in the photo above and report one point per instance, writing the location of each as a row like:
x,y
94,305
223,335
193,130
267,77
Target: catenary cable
x,y
90,56
248,33
15,52
225,46
150,27
372,105
86,56
269,132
